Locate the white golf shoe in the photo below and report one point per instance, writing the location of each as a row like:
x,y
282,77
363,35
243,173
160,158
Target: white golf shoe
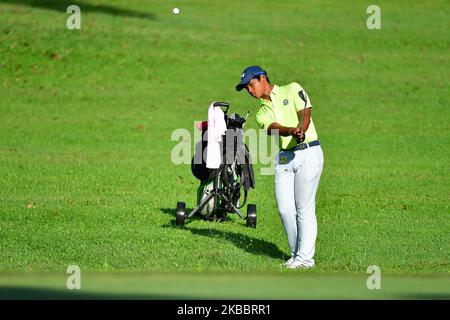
x,y
289,261
297,263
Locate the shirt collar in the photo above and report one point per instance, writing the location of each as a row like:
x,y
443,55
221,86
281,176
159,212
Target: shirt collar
x,y
273,93
275,90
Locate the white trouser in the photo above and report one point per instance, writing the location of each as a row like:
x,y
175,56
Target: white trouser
x,y
297,175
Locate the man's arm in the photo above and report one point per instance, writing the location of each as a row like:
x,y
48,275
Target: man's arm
x,y
297,132
282,130
306,118
304,115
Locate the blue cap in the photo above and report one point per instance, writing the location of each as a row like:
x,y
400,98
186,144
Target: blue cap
x,y
248,74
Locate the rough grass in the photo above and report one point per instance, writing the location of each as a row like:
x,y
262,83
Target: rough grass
x,y
86,119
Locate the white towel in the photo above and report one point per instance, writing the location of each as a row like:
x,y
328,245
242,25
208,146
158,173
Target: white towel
x,y
216,128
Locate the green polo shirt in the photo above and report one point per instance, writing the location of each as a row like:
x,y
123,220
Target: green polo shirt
x,y
282,109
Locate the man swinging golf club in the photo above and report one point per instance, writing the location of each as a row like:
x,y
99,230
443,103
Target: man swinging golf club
x,y
286,111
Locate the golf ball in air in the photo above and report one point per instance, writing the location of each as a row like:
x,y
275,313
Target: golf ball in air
x,y
176,11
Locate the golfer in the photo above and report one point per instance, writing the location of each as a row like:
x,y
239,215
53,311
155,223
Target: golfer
x,y
286,111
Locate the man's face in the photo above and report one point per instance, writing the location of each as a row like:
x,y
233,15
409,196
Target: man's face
x,y
255,87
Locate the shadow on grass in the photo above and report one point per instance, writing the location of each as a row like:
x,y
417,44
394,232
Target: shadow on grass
x,y
33,293
198,216
61,6
425,296
240,240
173,213
30,293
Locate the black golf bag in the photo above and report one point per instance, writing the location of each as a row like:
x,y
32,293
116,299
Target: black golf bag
x,y
220,189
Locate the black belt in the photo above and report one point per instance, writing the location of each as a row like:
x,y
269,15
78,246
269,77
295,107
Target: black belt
x,y
304,145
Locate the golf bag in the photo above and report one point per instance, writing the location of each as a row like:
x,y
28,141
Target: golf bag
x,y
237,162
220,189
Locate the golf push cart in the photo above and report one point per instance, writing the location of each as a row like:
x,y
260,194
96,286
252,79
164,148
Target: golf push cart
x,y
220,189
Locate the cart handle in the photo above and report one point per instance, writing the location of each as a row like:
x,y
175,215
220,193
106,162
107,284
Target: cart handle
x,y
222,104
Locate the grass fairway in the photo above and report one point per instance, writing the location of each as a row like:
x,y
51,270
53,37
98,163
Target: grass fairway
x,y
186,286
86,118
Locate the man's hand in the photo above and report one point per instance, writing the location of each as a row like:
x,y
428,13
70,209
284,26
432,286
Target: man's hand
x,y
298,135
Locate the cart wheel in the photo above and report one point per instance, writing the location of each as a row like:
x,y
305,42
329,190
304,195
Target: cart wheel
x,y
251,215
181,213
